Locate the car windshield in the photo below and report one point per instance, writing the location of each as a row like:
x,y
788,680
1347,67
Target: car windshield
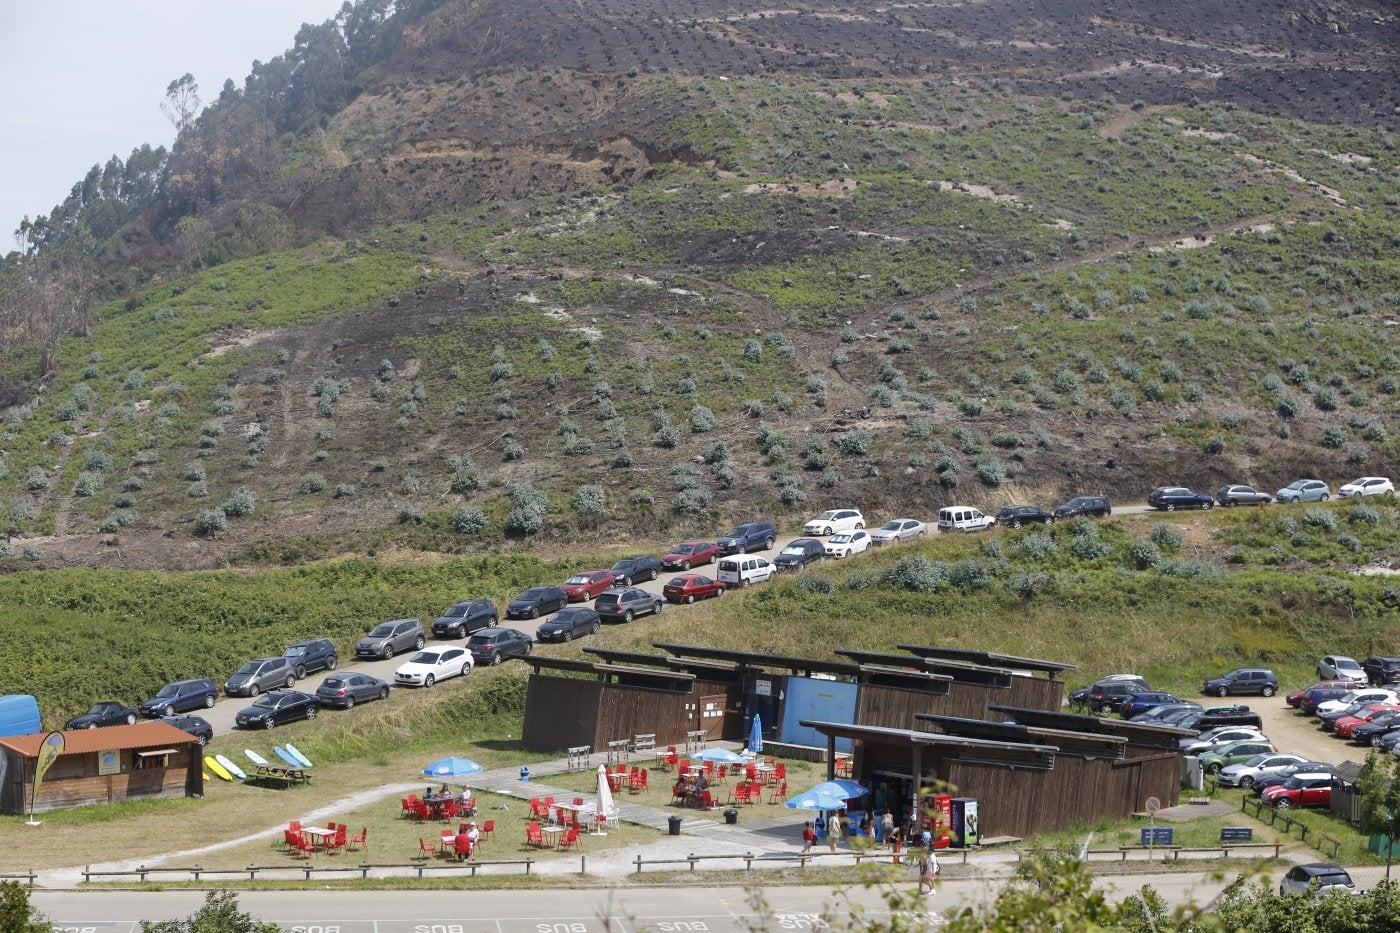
x,y
382,631
684,549
577,579
296,651
424,657
1346,664
795,549
1298,484
840,539
267,702
250,668
456,612
737,532
534,592
891,526
825,516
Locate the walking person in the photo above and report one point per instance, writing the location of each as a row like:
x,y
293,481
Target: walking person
x,y
819,827
809,836
886,827
927,866
834,827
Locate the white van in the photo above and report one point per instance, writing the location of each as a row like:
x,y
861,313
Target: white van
x,y
743,569
963,518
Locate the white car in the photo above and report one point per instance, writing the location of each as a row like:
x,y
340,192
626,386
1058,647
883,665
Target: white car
x,y
1246,773
899,529
844,545
964,518
1208,741
835,521
428,667
1367,486
744,569
1341,667
1374,695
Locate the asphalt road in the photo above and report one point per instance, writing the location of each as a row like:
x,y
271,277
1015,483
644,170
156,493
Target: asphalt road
x,y
221,716
588,910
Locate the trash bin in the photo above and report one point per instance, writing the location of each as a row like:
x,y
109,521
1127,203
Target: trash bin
x,y
675,825
731,816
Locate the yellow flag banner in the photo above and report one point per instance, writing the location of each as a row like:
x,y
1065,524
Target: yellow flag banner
x,y
48,754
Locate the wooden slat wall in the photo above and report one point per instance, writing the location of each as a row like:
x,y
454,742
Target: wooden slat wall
x,y
627,711
893,707
73,781
1034,693
733,725
561,712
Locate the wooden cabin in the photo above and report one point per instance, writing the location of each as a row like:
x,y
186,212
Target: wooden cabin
x,y
115,763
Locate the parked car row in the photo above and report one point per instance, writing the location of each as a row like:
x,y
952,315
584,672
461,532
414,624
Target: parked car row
x,y
1171,498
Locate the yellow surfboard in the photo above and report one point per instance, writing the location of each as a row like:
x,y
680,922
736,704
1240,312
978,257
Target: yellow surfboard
x,y
217,768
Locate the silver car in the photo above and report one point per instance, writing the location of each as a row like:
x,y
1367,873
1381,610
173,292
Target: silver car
x,y
899,529
389,638
261,674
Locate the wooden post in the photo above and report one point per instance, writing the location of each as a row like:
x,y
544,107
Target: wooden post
x,y
831,757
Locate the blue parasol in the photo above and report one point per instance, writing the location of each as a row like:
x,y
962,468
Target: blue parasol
x,y
756,734
452,767
816,800
720,756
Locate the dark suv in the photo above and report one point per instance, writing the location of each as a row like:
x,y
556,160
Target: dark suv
x,y
1204,719
1017,515
626,603
312,654
181,696
636,569
1088,696
1243,680
537,601
1085,505
466,617
752,536
799,554
1381,671
1110,697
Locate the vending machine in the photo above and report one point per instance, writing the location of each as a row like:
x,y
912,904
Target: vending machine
x,y
965,832
938,816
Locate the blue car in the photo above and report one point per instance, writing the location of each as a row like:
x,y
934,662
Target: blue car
x,y
751,536
1142,702
181,697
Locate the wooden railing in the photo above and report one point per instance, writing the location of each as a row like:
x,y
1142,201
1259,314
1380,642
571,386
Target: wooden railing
x,y
142,872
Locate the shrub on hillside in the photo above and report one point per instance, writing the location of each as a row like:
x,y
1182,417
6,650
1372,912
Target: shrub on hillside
x,y
589,499
311,483
468,520
209,521
240,503
916,573
1168,538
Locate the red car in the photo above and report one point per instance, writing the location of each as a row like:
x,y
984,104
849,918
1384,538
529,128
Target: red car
x,y
690,554
1347,724
689,587
1295,699
1301,790
587,584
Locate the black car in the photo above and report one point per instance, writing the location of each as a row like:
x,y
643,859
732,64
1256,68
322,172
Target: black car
x,y
1084,696
800,553
491,646
1110,697
537,601
312,654
345,690
1158,714
750,536
636,569
1377,728
1381,671
180,697
466,617
568,624
1085,505
196,726
1171,498
1241,495
107,713
626,603
1243,680
1018,515
1209,718
278,708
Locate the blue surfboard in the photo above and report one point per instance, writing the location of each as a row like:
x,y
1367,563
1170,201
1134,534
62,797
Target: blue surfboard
x,y
286,756
295,753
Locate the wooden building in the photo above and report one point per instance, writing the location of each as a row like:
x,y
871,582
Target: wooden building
x,y
140,761
973,689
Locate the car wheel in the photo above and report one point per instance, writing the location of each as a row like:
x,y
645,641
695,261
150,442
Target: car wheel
x,y
269,722
627,616
535,613
384,693
418,643
1222,691
1324,498
495,659
593,630
744,583
1246,782
300,673
685,565
569,635
1375,741
768,544
826,530
1283,803
91,725
690,598
201,741
291,681
656,609
1207,506
330,665
1015,523
349,702
466,669
720,591
429,681
1268,691
1170,507
311,712
386,652
1213,768
170,710
624,581
254,690
131,719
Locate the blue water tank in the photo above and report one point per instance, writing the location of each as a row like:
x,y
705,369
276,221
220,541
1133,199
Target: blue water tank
x,y
19,715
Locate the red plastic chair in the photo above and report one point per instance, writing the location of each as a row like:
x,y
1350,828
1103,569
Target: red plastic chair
x,y
780,771
360,840
425,850
707,800
537,809
777,793
570,838
307,847
534,836
721,775
449,811
740,793
751,772
488,828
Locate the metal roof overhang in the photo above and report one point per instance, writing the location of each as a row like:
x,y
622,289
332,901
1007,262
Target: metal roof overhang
x,y
718,670
620,674
754,659
1081,744
971,751
990,659
1137,733
959,671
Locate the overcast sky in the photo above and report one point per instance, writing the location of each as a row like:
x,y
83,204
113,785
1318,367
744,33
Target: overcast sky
x,y
82,80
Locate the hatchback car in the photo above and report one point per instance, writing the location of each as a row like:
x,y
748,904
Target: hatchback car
x,y
429,666
1017,515
1140,703
1218,758
196,726
1301,878
1213,739
587,584
1304,490
278,708
312,654
1376,729
1295,698
744,570
1346,726
1171,498
847,543
1241,495
626,603
1301,790
1083,695
1243,680
1341,667
688,587
491,646
636,569
1245,773
180,697
465,617
1085,505
1277,776
345,690
898,529
799,553
750,536
108,713
389,638
1367,486
1357,698
689,554
568,624
1314,697
537,601
260,675
833,521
